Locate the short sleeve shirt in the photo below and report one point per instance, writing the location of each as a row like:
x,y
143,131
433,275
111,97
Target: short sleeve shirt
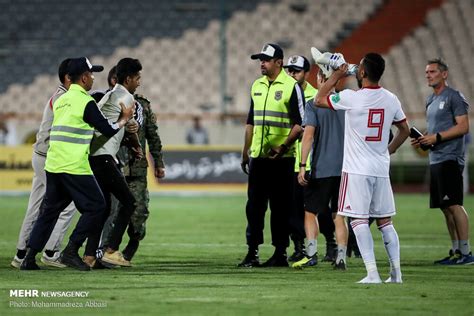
x,y
370,113
328,146
441,112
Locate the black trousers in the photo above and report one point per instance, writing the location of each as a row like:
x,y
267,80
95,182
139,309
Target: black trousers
x,y
61,189
270,182
111,181
297,232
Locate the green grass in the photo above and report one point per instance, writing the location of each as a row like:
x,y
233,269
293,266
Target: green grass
x,y
187,266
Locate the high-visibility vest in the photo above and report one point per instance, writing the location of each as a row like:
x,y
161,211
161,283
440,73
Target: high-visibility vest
x,y
309,94
70,136
270,114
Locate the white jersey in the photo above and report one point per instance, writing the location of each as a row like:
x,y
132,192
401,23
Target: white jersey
x,y
370,112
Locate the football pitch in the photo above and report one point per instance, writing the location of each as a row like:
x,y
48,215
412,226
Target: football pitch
x,y
187,266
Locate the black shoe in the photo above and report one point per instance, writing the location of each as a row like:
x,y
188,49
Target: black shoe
x,y
331,253
277,260
130,249
300,251
341,265
29,264
297,256
250,260
71,258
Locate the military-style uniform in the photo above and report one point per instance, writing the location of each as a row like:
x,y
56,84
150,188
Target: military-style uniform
x,y
135,172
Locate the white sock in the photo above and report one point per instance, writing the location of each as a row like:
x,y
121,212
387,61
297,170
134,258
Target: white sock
x,y
341,253
464,247
392,246
311,247
454,245
366,246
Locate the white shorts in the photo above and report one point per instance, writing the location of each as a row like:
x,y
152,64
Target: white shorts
x,y
365,196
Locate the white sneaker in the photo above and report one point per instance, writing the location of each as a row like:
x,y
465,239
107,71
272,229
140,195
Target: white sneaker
x,y
394,280
370,280
322,60
16,262
54,261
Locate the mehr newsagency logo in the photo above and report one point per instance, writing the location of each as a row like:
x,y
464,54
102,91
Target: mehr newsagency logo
x,y
32,298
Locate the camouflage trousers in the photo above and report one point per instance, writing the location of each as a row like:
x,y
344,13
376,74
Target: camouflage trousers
x,y
136,227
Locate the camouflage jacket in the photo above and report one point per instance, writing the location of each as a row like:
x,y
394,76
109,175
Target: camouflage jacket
x,y
148,133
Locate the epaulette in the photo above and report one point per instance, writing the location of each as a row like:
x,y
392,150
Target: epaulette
x,y
141,97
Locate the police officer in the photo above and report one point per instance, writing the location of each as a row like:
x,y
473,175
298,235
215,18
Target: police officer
x,y
68,173
268,155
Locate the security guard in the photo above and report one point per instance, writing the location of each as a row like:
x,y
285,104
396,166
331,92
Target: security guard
x,y
298,67
68,173
268,155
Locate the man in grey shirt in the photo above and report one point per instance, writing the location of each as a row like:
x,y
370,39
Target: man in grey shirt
x,y
51,255
104,164
448,123
324,133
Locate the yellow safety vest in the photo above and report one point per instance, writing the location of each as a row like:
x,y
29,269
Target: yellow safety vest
x,y
70,136
270,114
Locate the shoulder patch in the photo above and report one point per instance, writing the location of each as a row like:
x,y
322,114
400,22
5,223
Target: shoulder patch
x,y
143,100
153,117
335,98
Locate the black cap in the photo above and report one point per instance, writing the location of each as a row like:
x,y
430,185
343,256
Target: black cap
x,y
298,62
269,51
78,66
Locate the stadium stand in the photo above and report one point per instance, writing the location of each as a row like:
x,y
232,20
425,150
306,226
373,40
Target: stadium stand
x,y
447,33
178,43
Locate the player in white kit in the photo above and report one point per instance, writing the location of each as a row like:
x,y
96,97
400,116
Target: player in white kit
x,y
365,189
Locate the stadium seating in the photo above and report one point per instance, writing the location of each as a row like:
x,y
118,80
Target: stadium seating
x,y
178,43
447,33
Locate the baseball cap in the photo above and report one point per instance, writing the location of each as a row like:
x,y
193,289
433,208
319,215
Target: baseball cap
x,y
80,65
269,51
298,62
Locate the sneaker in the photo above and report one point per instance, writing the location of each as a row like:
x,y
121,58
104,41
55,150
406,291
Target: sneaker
x,y
296,256
54,261
371,280
451,259
73,260
29,265
16,262
116,258
341,265
306,262
277,260
466,259
323,61
300,251
251,260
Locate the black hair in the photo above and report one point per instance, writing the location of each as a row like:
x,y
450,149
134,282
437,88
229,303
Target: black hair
x,y
374,66
63,69
127,67
442,65
111,75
